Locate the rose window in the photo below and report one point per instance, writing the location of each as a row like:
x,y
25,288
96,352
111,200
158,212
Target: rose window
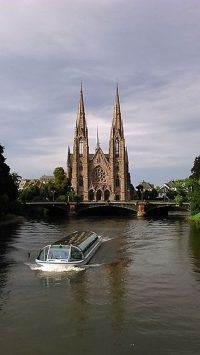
x,y
99,174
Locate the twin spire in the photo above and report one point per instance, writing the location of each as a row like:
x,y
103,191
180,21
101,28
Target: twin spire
x,y
81,121
117,125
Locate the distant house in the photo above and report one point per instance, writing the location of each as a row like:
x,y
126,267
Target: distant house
x,y
24,183
166,189
46,178
146,191
146,186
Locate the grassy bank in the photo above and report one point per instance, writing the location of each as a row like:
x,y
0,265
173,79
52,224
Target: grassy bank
x,y
195,219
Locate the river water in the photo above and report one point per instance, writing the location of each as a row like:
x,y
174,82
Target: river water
x,y
140,294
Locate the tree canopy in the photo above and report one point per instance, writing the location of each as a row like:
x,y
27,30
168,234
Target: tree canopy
x,y
196,169
8,186
195,194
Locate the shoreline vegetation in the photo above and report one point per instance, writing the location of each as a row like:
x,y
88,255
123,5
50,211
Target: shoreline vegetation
x,y
11,219
195,219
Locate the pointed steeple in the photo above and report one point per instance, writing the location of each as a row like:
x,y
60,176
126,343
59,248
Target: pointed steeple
x,y
117,111
98,143
81,121
117,125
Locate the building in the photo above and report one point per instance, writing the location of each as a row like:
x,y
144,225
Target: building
x,y
99,176
168,188
146,186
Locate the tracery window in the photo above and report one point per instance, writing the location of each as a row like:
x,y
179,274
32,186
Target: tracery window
x,y
99,174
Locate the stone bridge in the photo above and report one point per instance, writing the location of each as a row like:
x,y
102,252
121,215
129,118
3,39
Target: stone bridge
x,y
140,208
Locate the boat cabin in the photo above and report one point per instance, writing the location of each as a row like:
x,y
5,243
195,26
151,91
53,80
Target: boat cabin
x,y
76,247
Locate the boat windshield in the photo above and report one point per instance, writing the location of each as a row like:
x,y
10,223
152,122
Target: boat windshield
x,y
59,252
43,253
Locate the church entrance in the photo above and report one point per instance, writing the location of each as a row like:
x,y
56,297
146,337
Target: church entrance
x,y
91,195
98,195
106,195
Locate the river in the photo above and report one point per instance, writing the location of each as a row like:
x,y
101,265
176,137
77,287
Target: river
x,y
140,294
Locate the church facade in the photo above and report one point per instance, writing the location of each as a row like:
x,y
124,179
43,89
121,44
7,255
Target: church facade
x,y
98,176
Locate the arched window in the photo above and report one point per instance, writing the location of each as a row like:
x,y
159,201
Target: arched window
x,y
117,147
117,181
81,146
106,195
80,180
91,195
98,195
117,197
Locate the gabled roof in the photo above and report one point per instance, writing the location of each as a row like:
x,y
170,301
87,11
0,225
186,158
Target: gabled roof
x,y
146,185
99,152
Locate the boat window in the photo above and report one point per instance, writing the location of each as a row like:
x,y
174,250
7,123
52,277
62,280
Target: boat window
x,y
75,254
43,254
58,252
88,243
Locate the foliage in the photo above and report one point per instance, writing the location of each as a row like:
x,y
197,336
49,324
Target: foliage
x,y
195,218
182,191
153,194
139,189
16,178
61,181
58,189
195,197
62,198
8,187
195,193
29,193
196,169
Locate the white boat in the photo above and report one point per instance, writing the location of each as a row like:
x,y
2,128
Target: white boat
x,y
76,249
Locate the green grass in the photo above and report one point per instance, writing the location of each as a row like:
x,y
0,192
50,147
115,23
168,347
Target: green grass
x,y
195,219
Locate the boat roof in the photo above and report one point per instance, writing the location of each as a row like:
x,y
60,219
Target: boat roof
x,y
75,238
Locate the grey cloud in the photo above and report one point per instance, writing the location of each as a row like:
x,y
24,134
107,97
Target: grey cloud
x,y
150,46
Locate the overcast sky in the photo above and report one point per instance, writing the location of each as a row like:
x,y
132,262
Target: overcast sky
x,y
150,47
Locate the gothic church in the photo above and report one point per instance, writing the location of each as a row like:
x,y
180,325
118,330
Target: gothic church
x,y
99,176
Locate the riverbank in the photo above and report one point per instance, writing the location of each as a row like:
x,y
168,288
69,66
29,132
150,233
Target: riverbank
x,y
11,219
195,219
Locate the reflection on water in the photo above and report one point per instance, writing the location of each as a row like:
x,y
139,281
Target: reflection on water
x,y
129,299
194,245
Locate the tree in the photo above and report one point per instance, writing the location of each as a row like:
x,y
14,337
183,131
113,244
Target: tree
x,y
195,186
182,190
153,194
139,191
196,169
195,198
61,181
29,193
8,188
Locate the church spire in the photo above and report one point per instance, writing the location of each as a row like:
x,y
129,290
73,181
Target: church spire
x,y
98,143
81,121
117,124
